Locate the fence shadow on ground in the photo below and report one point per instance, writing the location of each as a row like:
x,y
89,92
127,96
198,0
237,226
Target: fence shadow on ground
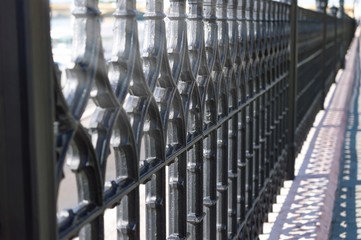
x,y
346,222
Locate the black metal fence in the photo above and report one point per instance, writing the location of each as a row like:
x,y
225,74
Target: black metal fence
x,y
189,135
322,43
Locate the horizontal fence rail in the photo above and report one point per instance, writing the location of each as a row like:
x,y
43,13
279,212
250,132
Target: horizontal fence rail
x,y
188,125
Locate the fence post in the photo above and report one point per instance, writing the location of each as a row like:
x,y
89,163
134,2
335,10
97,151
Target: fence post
x,y
334,10
324,43
292,91
343,38
27,186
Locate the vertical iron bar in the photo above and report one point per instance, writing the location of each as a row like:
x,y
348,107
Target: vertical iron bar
x,y
177,204
277,91
249,147
242,153
195,191
262,89
155,205
271,95
256,112
256,145
232,175
210,144
268,120
222,181
335,42
324,43
128,215
262,127
210,191
292,91
249,93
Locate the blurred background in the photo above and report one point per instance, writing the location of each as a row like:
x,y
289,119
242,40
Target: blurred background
x,y
61,26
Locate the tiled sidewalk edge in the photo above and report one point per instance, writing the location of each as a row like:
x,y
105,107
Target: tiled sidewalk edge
x,y
341,101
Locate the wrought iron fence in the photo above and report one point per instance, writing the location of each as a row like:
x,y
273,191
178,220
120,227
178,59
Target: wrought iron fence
x,y
322,41
191,134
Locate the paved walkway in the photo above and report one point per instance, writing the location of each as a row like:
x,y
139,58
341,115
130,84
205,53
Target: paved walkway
x,y
305,206
346,223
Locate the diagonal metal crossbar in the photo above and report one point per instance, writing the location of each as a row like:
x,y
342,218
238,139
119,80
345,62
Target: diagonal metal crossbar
x,y
189,134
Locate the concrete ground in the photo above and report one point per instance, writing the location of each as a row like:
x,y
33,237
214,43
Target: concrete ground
x,y
346,223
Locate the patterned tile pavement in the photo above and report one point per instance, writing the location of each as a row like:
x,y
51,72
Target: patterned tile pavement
x,y
346,223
